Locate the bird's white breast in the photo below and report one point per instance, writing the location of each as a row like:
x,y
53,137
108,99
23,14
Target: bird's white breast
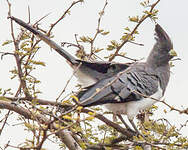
x,y
132,108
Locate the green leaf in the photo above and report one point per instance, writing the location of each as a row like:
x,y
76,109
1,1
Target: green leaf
x,y
145,3
134,19
2,98
90,118
185,145
127,28
100,31
86,39
24,44
127,37
105,32
7,42
110,47
37,62
67,117
98,50
114,43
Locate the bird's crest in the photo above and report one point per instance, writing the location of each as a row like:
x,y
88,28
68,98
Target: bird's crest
x,y
162,38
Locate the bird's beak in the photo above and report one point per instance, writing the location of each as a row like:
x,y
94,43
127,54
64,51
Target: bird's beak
x,y
172,53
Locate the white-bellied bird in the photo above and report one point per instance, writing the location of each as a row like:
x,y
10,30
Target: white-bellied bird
x,y
132,90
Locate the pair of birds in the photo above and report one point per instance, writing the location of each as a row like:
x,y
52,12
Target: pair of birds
x,y
123,88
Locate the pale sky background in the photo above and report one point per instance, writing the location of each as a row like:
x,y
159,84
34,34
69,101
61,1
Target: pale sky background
x,y
83,21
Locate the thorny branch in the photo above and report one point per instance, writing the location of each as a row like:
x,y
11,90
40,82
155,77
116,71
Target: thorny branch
x,y
101,13
20,74
17,57
28,115
133,31
64,14
99,116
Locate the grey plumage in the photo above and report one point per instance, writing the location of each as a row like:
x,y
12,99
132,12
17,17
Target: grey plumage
x,y
136,78
89,72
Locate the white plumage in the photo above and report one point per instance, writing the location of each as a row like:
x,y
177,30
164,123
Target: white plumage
x,y
84,79
132,108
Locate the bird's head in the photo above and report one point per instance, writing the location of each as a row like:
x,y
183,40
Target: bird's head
x,y
162,51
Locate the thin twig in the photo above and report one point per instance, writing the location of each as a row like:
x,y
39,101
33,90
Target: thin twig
x,y
101,13
136,43
29,14
64,14
69,81
41,19
127,57
5,53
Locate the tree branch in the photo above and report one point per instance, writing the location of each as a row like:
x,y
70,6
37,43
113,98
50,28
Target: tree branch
x,y
64,14
101,13
64,135
120,129
133,31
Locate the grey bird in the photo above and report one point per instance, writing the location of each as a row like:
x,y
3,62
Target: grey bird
x,y
130,91
87,73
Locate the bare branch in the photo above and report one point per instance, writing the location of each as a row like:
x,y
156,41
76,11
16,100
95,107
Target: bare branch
x,y
38,101
5,53
29,14
64,14
41,19
127,57
136,43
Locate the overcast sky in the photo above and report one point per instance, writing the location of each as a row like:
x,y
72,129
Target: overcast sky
x,y
83,21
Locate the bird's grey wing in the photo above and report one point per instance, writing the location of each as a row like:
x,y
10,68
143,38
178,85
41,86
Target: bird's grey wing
x,y
118,89
139,82
99,93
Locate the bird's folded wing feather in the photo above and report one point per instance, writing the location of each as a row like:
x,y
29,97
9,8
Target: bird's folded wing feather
x,y
120,88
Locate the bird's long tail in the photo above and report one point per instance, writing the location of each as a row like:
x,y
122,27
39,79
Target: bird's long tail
x,y
47,40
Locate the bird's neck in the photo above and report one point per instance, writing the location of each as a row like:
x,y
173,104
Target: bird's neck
x,y
163,73
155,61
